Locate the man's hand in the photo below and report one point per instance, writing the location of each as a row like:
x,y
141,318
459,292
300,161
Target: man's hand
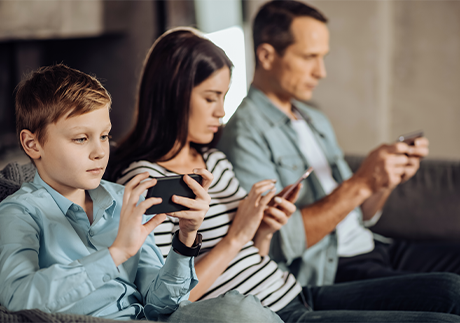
x,y
191,220
131,232
384,167
415,153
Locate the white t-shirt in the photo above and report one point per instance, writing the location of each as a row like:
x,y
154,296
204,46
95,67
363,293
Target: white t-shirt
x,y
353,238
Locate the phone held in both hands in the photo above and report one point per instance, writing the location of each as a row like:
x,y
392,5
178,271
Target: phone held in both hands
x,y
301,178
409,138
165,188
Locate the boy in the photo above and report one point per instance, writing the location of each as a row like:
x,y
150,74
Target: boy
x,y
71,242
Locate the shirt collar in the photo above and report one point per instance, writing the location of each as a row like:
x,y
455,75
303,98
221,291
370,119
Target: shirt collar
x,y
99,195
271,111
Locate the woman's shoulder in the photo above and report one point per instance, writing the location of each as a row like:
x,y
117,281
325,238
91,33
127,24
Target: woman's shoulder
x,y
139,167
214,157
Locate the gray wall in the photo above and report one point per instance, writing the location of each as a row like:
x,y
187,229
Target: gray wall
x,y
394,67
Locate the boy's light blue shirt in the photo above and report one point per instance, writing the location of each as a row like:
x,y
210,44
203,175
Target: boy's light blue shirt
x,y
261,143
52,259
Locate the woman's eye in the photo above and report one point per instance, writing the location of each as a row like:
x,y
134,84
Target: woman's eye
x,y
79,140
210,100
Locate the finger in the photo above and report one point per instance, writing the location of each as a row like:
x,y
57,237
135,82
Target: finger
x,y
199,191
421,142
259,188
206,175
144,205
420,151
284,205
398,148
272,222
277,214
140,188
154,222
132,184
192,204
267,198
397,160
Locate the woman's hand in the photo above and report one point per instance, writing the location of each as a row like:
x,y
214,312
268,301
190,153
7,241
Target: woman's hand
x,y
131,232
191,220
275,216
250,213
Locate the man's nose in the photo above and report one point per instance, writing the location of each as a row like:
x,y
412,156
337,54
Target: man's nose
x,y
320,71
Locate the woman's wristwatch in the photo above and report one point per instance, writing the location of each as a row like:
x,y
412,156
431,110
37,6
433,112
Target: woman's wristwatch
x,y
182,249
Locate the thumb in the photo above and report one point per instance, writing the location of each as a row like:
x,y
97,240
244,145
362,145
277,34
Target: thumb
x,y
154,222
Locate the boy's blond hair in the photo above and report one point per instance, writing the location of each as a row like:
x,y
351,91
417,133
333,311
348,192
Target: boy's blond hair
x,y
52,92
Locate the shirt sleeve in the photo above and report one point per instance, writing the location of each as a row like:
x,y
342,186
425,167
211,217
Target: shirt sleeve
x,y
251,159
27,284
163,284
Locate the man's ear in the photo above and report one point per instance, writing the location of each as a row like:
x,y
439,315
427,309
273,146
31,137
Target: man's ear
x,y
266,55
30,144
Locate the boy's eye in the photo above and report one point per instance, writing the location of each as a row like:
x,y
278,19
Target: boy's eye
x,y
106,137
79,140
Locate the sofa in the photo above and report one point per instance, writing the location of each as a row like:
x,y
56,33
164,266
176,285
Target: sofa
x,y
427,207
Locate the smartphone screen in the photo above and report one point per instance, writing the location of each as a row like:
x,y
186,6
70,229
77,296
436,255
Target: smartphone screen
x,y
165,188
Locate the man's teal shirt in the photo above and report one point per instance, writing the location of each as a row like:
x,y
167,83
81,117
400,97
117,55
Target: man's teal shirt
x,y
261,143
52,259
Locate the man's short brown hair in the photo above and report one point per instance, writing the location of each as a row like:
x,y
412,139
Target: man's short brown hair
x,y
52,92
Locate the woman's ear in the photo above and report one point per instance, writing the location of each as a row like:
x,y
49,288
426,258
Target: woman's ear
x,y
265,55
30,144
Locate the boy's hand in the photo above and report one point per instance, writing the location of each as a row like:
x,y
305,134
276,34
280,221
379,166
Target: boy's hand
x,y
190,220
131,232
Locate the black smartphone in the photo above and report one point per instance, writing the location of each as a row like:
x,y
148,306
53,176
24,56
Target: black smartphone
x,y
409,138
165,188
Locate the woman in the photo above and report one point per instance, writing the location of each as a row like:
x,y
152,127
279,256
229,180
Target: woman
x,y
180,103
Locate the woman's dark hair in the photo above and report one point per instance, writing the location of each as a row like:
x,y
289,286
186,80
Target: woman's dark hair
x,y
177,62
272,24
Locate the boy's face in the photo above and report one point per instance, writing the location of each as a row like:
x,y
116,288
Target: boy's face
x,y
76,151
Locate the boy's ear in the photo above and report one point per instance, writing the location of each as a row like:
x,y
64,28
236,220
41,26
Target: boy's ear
x,y
30,144
266,54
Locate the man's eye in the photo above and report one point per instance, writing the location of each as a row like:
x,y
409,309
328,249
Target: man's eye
x,y
79,140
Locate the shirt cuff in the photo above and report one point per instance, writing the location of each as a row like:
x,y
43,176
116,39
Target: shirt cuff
x,y
99,267
372,221
180,266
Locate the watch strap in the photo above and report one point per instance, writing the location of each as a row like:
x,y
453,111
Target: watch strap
x,y
181,248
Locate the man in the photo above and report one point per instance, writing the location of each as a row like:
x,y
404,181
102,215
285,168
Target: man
x,y
274,135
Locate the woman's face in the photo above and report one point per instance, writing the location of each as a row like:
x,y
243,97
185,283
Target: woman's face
x,y
207,106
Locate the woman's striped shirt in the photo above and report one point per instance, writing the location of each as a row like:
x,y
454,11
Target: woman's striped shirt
x,y
249,272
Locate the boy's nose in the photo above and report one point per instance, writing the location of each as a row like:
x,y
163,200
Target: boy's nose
x,y
98,152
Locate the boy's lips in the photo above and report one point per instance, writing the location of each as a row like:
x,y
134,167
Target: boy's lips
x,y
95,170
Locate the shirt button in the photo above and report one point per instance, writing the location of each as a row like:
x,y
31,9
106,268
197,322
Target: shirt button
x,y
106,278
91,233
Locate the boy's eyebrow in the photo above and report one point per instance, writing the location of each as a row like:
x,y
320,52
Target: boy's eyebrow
x,y
109,125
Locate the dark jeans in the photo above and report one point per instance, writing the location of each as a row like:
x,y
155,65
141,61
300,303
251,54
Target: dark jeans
x,y
408,298
399,258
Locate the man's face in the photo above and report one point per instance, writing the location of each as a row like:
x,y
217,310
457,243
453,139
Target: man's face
x,y
76,151
301,67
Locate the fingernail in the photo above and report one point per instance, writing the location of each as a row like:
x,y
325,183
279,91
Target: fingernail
x,y
195,170
274,180
278,200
